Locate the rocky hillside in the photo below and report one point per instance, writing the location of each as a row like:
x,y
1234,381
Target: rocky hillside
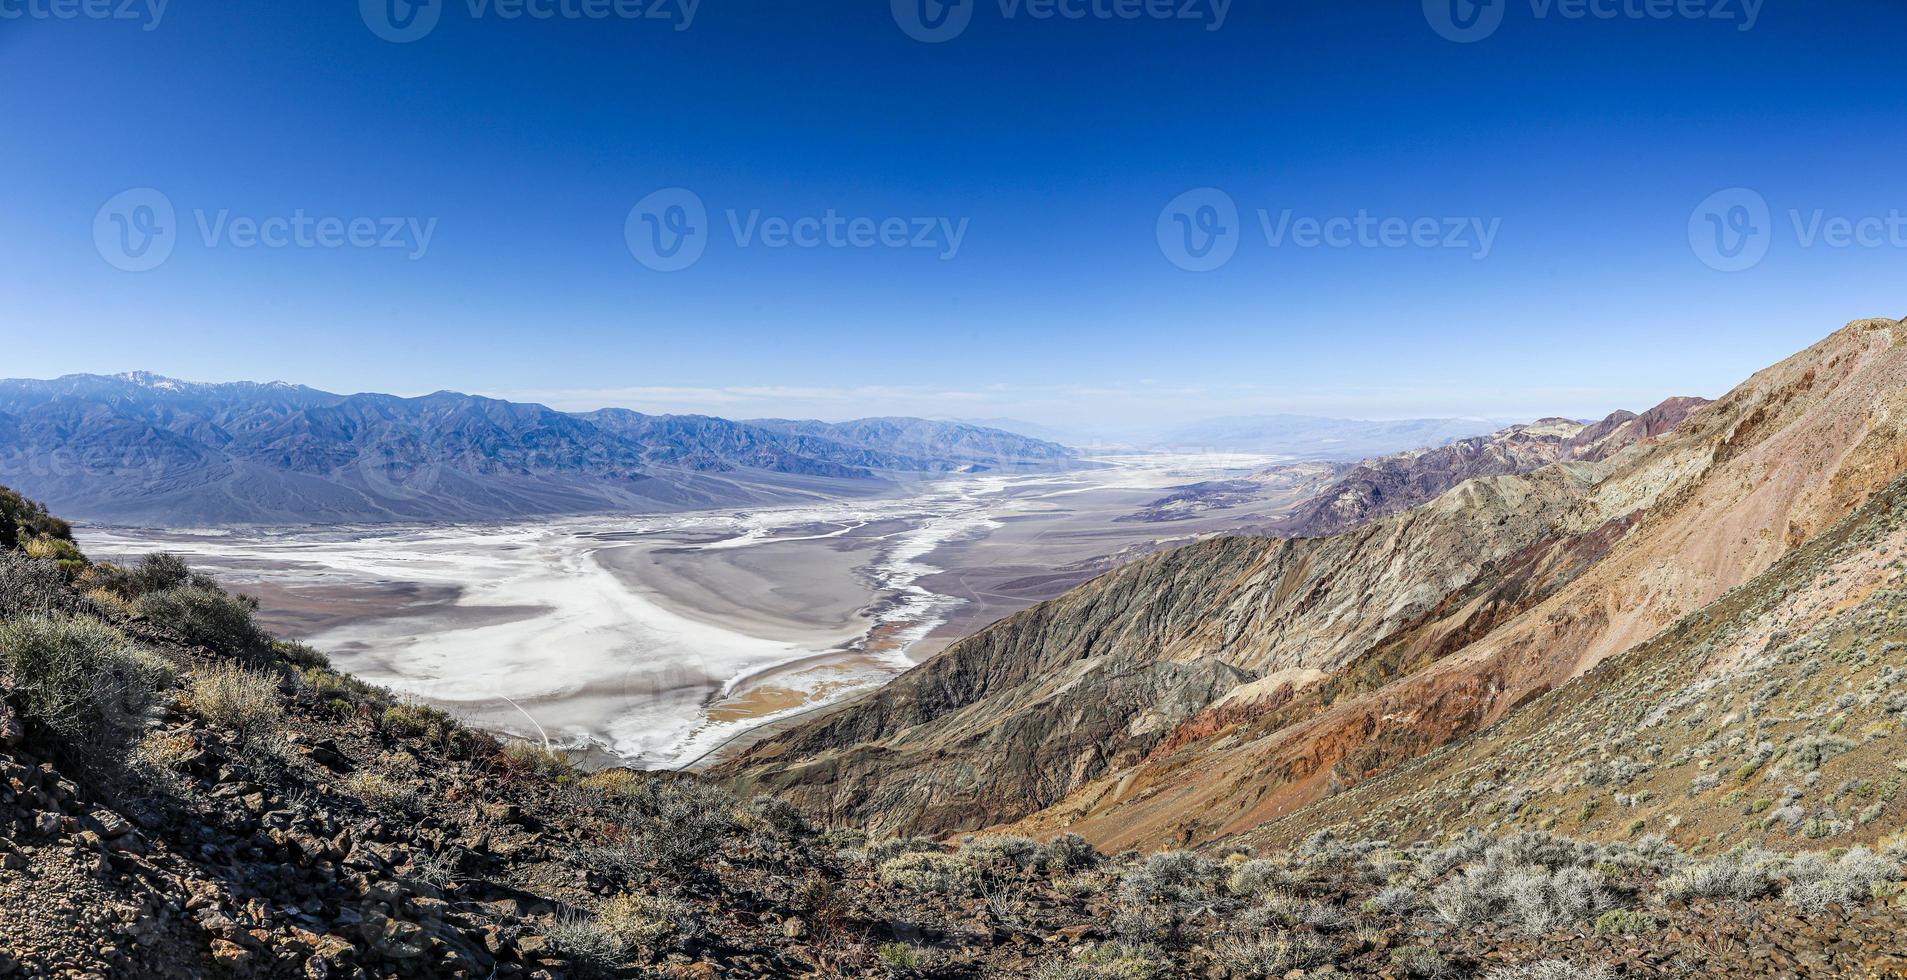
x,y
142,448
1201,693
1395,483
184,796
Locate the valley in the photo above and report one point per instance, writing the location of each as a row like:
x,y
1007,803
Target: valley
x,y
658,640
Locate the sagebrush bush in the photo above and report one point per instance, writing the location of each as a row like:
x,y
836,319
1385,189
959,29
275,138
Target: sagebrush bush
x,y
1069,853
381,794
244,701
591,950
1816,881
1000,851
930,873
649,921
1274,955
1742,877
1553,970
206,616
672,823
32,586
80,681
771,817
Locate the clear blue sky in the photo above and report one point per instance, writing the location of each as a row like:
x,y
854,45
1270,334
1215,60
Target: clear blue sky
x,y
1054,143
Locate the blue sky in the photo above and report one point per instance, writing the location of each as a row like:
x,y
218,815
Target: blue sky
x,y
519,146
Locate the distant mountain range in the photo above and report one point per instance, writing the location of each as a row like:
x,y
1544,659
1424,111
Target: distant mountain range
x,y
141,448
1312,437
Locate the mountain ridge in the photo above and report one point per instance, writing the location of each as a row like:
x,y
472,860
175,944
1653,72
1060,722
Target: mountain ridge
x,y
1359,649
143,447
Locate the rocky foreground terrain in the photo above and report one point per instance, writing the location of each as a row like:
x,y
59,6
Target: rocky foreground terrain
x,y
183,796
1628,717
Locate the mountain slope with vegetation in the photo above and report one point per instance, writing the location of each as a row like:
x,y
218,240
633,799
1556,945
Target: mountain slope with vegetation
x,y
1328,660
184,796
143,448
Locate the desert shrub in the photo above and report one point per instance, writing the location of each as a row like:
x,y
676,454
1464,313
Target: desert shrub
x,y
32,586
1807,754
904,957
1125,961
1469,899
1424,963
434,870
410,720
301,656
1553,970
206,616
1068,853
1742,876
1181,875
1543,901
1816,881
22,519
648,921
519,759
930,873
164,750
1272,955
157,572
880,851
1625,922
667,822
80,681
591,950
63,553
381,794
243,701
1537,899
1397,900
768,816
1256,878
1000,851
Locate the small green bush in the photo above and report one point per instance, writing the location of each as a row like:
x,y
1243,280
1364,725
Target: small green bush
x,y
80,681
1626,922
206,616
243,701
